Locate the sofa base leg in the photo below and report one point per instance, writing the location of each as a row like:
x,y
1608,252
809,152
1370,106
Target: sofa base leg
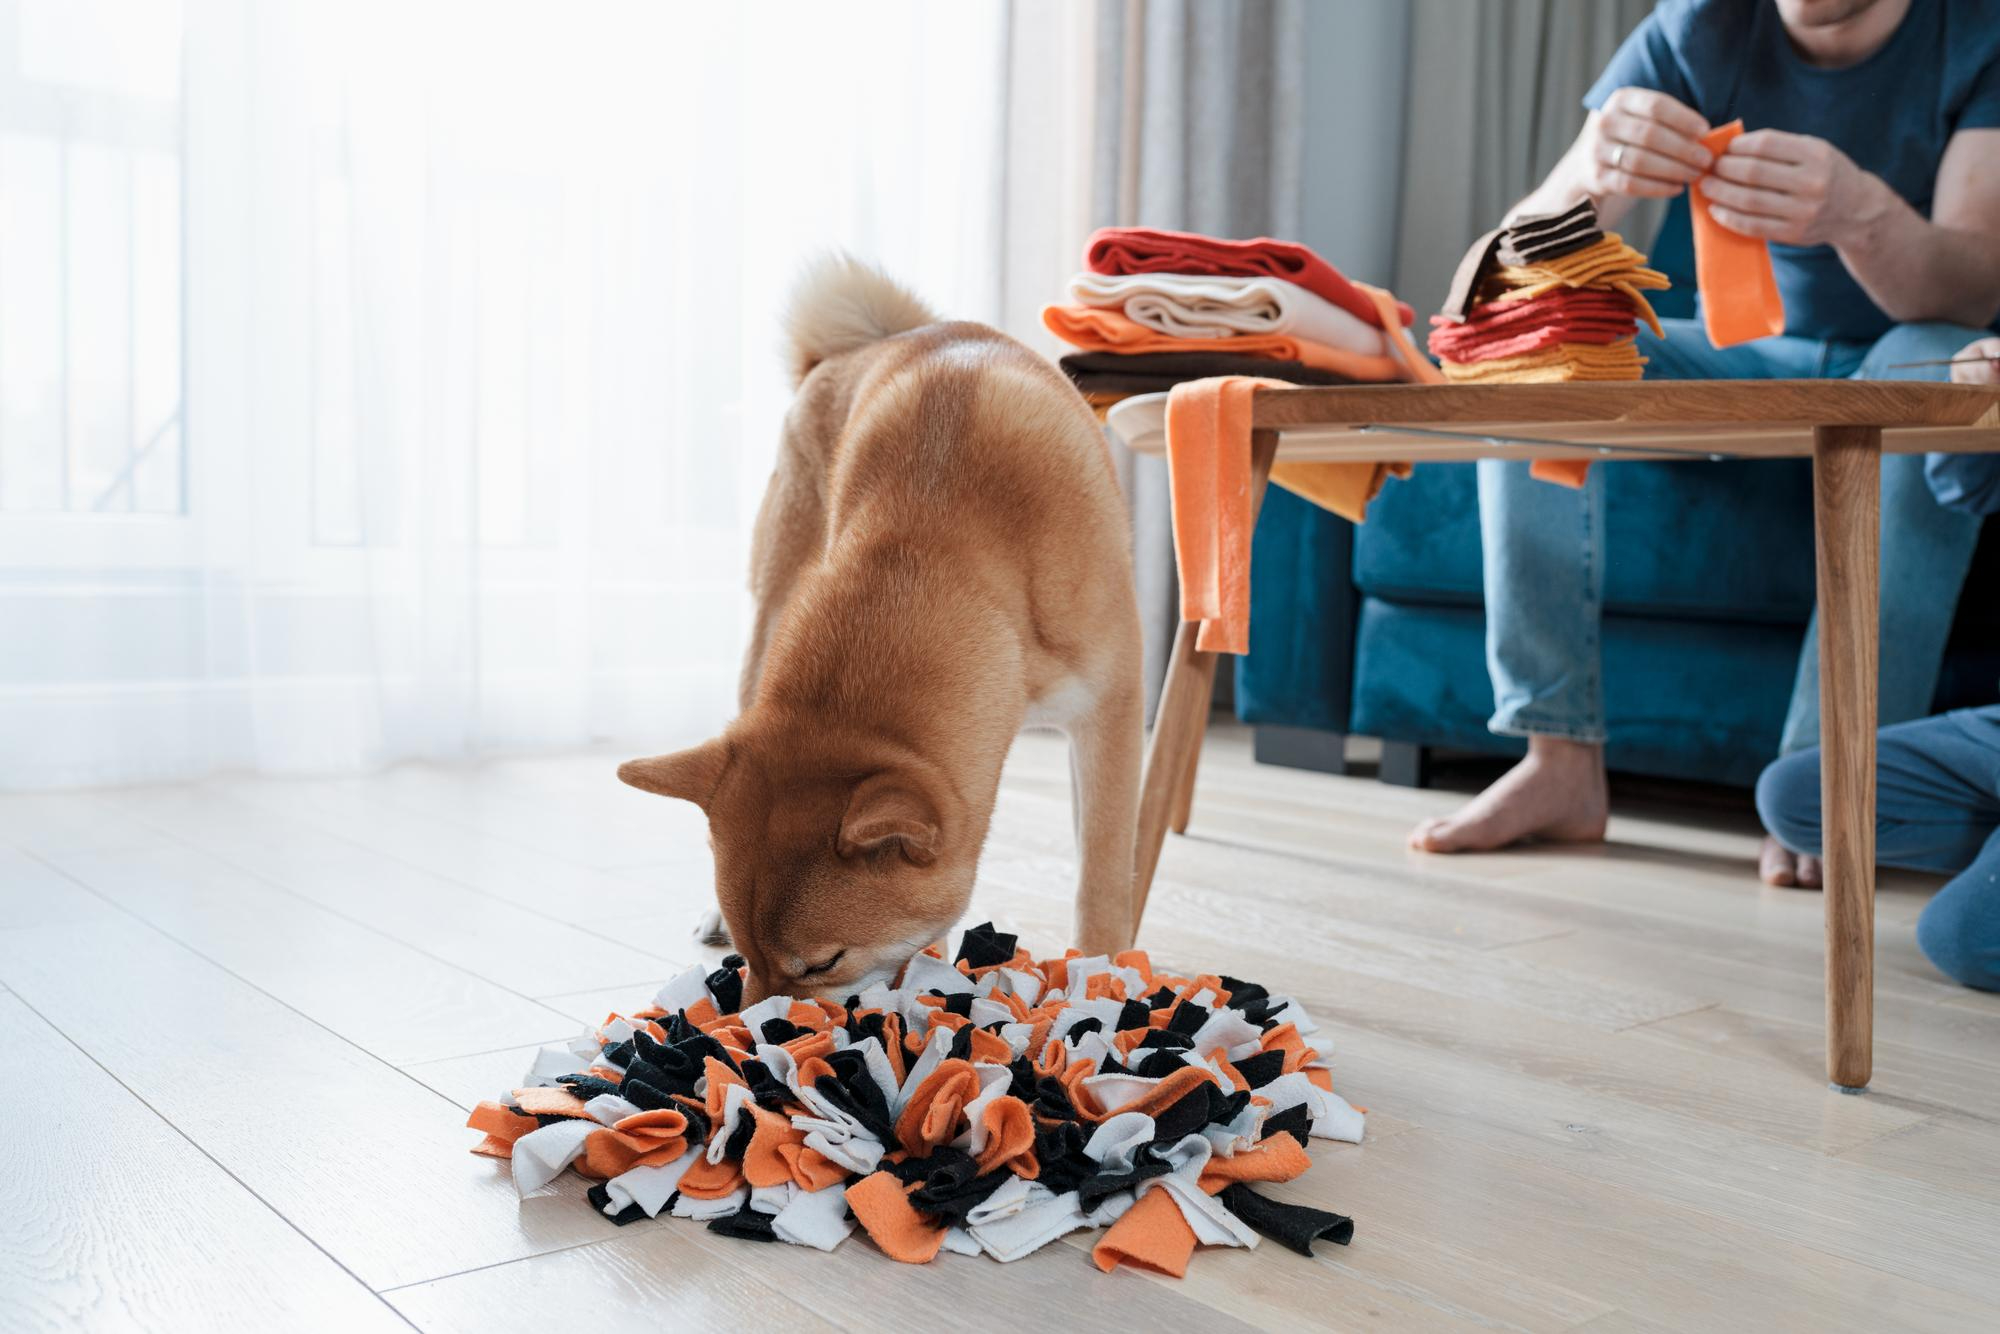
x,y
1301,748
1405,764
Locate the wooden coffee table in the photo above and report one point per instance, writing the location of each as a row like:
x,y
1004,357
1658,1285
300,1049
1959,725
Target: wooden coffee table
x,y
1843,426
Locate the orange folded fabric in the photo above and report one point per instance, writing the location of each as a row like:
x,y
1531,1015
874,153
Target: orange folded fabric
x,y
1208,480
1153,1234
1103,329
881,1205
1739,291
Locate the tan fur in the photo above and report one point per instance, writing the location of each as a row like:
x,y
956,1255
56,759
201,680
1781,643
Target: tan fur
x,y
941,556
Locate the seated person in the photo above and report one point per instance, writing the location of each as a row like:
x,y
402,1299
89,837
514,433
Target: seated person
x,y
1872,165
1937,799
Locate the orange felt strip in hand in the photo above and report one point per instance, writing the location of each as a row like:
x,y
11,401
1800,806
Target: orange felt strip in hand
x,y
1153,1235
1739,291
880,1205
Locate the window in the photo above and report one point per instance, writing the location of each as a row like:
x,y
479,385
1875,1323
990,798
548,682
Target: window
x,y
90,258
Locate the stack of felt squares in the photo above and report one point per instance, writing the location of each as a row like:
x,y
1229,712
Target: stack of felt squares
x,y
1155,308
1549,298
990,1105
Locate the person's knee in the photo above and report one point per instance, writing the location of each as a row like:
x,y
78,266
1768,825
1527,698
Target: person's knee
x,y
1920,340
1959,932
1788,800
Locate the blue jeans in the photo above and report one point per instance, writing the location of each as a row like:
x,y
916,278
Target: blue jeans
x,y
1544,550
1937,808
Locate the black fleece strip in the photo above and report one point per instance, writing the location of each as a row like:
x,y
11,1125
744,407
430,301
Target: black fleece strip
x,y
1187,1018
1134,1014
1294,1121
586,1087
725,985
746,1224
601,1199
1262,1068
1242,994
777,1032
959,1004
1148,372
1159,1000
982,946
739,1138
1158,1063
1292,1226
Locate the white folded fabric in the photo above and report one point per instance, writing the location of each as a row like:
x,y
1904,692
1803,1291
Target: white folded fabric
x,y
1029,1229
542,1154
648,1187
1193,306
817,1218
703,1210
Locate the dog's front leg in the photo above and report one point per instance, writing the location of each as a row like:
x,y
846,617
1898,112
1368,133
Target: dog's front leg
x,y
1105,756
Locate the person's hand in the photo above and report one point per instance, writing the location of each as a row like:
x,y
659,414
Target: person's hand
x,y
1985,371
1644,144
1790,188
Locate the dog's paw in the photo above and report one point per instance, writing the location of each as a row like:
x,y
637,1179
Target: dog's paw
x,y
711,930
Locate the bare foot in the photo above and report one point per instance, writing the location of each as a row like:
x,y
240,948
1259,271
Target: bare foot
x,y
1557,792
1779,865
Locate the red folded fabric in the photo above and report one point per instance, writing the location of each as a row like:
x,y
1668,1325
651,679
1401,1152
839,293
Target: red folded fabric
x,y
1460,347
1122,250
1564,303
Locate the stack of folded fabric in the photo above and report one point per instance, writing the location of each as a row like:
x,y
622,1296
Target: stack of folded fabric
x,y
1154,308
1550,298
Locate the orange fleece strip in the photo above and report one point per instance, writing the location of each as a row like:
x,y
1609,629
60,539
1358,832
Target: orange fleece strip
x,y
1010,1138
502,1125
549,1101
1153,1235
880,1205
1739,290
1102,329
1279,1158
644,1139
712,1181
764,1162
1208,476
934,1110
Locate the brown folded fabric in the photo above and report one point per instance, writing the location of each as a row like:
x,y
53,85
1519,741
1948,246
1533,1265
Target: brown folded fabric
x,y
1157,372
1472,270
1547,235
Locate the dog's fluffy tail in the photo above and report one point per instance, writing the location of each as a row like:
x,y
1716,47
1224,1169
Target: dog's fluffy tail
x,y
839,304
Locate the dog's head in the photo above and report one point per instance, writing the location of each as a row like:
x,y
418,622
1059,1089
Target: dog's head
x,y
831,870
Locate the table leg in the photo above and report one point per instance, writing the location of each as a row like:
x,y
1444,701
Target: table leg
x,y
1847,487
1184,796
1181,718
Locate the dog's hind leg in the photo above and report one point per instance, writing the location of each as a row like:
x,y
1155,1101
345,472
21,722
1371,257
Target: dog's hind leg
x,y
1105,743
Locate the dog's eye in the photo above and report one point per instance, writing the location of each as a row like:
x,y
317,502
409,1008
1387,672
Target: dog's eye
x,y
826,967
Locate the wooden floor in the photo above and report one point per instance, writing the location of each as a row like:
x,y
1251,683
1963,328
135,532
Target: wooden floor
x,y
242,1021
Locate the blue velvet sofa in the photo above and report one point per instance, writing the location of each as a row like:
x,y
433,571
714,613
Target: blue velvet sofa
x,y
1380,631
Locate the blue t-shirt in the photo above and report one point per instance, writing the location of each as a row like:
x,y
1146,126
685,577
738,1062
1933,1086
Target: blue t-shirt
x,y
1892,113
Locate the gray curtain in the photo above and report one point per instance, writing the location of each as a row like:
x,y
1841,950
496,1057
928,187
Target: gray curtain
x,y
1197,122
1492,99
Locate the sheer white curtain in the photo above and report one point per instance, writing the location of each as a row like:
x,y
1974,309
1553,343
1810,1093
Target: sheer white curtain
x,y
477,337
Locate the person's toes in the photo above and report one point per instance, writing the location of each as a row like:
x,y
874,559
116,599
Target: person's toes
x,y
1812,873
1428,835
1776,865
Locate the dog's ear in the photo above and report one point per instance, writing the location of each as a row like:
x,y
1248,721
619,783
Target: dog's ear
x,y
884,813
690,775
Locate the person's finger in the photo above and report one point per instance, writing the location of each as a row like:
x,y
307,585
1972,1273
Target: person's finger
x,y
1749,224
1637,187
1654,105
1749,199
1625,128
1644,162
1777,145
1763,173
